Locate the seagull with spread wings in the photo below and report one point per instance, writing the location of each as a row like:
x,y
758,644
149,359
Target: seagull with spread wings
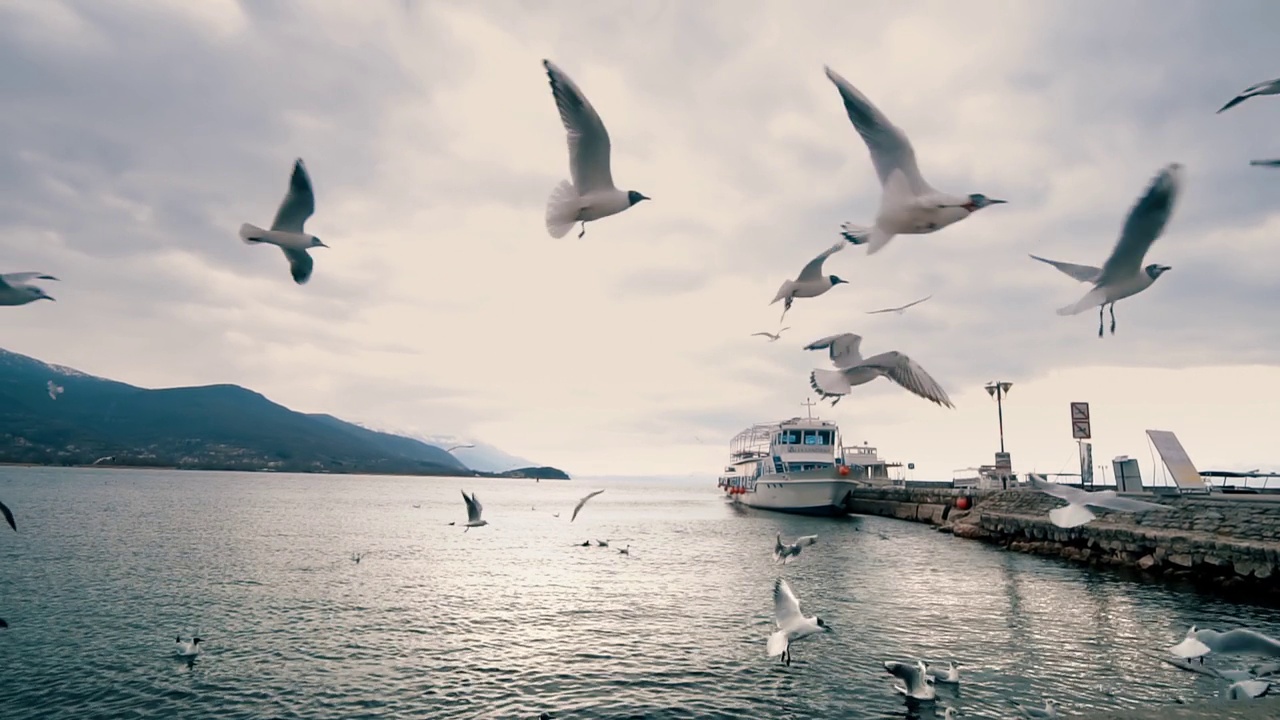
x,y
916,683
783,552
15,288
773,337
900,309
474,508
853,370
793,626
1075,512
810,282
1266,87
286,230
582,502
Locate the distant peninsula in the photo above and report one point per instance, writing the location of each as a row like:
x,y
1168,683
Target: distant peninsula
x,y
54,415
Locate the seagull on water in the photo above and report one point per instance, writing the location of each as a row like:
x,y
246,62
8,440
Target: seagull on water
x,y
1123,275
916,681
773,337
1266,87
602,543
900,309
54,390
1075,514
810,282
286,229
793,626
474,508
854,370
582,502
1265,163
1199,643
909,205
785,551
16,290
186,649
951,675
626,550
591,195
1050,710
8,516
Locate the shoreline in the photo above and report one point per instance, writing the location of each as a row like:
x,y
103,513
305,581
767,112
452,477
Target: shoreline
x,y
174,468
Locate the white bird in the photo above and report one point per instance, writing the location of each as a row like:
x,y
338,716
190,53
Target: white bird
x,y
582,502
916,682
909,205
1075,513
810,282
950,713
1050,710
1247,689
899,310
793,626
54,390
591,195
785,551
459,447
1266,87
602,543
773,337
950,675
186,649
286,230
16,290
854,370
1199,643
1265,163
474,508
1122,275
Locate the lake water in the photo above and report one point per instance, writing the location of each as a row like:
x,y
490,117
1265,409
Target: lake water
x,y
514,619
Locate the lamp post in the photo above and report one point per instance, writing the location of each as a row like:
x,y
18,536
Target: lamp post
x,y
998,389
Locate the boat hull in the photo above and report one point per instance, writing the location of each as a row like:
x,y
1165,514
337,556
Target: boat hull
x,y
798,495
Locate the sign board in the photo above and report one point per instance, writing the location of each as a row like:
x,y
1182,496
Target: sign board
x,y
1003,462
1079,411
1080,430
1184,472
1086,463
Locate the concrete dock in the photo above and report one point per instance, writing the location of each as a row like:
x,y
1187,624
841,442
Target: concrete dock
x,y
1264,708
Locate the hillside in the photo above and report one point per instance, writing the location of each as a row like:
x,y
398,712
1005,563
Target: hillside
x,y
216,427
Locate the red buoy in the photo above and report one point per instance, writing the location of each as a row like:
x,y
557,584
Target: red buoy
x,y
844,470
962,502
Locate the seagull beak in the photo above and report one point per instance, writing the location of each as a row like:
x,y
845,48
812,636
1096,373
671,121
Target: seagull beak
x,y
46,297
645,197
321,244
1162,267
993,201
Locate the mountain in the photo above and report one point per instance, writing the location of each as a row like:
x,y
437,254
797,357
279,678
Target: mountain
x,y
94,420
481,457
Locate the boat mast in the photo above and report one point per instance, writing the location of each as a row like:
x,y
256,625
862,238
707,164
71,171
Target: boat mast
x,y
808,403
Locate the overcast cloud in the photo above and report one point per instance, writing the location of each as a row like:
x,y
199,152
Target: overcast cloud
x,y
137,136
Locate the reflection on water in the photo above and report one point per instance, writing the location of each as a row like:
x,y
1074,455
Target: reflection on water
x,y
516,618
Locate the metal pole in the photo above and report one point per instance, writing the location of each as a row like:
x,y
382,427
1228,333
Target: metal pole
x,y
1000,411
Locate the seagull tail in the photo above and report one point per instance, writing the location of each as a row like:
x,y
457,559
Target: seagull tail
x,y
562,209
1070,516
777,643
828,383
855,234
251,233
876,240
1091,299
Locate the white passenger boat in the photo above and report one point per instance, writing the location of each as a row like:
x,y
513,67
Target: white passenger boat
x,y
799,466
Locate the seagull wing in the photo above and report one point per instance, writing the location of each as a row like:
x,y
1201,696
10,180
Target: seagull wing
x,y
589,145
763,334
300,264
582,502
473,506
1265,163
1083,273
907,373
1245,641
813,270
910,674
806,540
1110,500
20,278
842,348
1145,223
1075,496
1248,688
8,516
786,606
900,308
299,203
889,146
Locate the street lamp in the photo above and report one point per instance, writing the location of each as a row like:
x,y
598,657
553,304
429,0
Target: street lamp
x,y
998,389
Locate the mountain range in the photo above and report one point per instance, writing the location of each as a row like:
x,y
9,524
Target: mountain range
x,y
54,415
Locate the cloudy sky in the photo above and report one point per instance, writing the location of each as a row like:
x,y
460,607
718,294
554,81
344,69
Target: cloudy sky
x,y
137,136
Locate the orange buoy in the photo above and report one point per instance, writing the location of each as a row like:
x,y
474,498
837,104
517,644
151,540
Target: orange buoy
x,y
962,502
844,470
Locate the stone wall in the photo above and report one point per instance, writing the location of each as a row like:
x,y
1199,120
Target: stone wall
x,y
1231,543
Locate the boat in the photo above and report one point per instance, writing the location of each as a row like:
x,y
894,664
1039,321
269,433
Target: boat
x,y
799,466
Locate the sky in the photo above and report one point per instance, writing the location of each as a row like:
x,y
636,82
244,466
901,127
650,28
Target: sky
x,y
138,135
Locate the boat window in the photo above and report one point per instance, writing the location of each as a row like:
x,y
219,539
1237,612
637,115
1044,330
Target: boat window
x,y
790,437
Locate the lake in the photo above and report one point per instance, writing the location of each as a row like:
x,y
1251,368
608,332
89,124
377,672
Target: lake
x,y
515,619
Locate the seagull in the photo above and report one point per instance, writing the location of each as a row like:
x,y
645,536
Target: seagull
x,y
810,282
950,713
1123,275
600,543
286,230
1247,689
582,502
773,337
950,675
355,557
1075,514
1266,87
854,370
917,684
899,310
186,649
591,195
474,508
3,624
626,550
15,290
54,390
1265,163
793,626
459,447
785,551
1050,710
909,205
1199,643
8,516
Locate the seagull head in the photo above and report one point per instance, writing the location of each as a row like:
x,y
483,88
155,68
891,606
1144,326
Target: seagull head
x,y
1155,271
825,627
977,201
196,641
634,197
317,242
836,281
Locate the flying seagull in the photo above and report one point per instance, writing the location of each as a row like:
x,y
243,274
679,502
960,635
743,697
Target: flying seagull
x,y
793,626
854,370
785,551
16,290
459,447
286,230
916,681
1123,275
8,516
810,282
909,205
1199,643
1266,87
899,310
1265,163
591,195
1075,514
773,337
582,502
54,390
474,508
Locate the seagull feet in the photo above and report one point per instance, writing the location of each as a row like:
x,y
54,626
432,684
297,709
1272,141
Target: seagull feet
x,y
1113,319
584,230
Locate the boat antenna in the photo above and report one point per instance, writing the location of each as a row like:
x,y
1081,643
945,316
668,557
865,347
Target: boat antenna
x,y
808,403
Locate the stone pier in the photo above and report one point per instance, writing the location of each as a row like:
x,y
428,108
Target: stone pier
x,y
1231,542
